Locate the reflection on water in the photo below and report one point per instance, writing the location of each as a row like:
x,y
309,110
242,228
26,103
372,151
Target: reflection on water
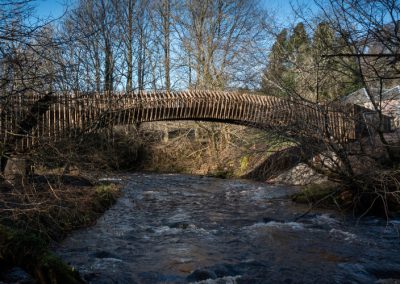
x,y
179,229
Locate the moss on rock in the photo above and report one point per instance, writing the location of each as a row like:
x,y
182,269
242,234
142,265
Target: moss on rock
x,y
52,270
29,251
327,194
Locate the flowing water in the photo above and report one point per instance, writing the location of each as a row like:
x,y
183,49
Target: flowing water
x,y
169,228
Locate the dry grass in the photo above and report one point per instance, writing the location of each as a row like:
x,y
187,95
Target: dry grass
x,y
219,150
51,208
46,209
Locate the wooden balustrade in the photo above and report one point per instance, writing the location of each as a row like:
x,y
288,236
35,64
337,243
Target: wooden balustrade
x,y
75,113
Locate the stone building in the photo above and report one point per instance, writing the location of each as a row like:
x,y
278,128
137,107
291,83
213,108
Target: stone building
x,y
387,100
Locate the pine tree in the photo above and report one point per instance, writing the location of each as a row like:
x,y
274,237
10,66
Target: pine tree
x,y
323,43
337,76
277,65
286,61
299,43
346,68
298,53
323,38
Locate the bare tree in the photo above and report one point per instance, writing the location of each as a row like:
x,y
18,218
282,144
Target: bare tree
x,y
220,38
29,64
165,14
126,13
92,25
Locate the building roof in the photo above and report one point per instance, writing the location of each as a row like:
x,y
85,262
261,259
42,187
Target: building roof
x,y
360,97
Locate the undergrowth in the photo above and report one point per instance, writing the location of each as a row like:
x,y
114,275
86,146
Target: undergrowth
x,y
33,216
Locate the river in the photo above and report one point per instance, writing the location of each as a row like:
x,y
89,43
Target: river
x,y
172,228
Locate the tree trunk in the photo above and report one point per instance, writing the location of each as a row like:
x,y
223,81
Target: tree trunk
x,y
140,60
129,47
166,31
108,80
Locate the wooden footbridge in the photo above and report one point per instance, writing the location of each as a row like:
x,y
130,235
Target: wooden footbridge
x,y
27,119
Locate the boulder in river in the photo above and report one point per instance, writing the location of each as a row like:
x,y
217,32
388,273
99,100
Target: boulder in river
x,y
299,175
201,274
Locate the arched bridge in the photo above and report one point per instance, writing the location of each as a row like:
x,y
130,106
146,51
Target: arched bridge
x,y
29,118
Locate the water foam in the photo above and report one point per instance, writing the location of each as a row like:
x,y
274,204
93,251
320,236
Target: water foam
x,y
342,234
223,280
279,225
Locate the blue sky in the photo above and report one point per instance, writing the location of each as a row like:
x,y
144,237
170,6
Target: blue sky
x,y
282,9
55,8
51,8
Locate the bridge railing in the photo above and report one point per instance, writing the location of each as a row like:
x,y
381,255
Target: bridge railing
x,y
75,113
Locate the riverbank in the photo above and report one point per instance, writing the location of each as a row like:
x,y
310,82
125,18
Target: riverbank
x,y
43,211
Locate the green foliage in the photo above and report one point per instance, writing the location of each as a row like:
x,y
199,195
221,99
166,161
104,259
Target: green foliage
x,y
277,65
324,37
314,193
106,195
222,173
16,245
29,250
298,65
298,44
244,163
338,75
287,53
52,270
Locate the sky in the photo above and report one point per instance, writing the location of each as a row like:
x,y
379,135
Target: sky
x,y
51,8
281,9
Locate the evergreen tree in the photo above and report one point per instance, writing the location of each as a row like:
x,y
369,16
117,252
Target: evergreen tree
x,y
323,43
277,65
286,60
278,52
299,41
323,39
298,56
299,66
337,76
346,69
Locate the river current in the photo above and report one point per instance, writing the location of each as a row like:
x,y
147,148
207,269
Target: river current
x,y
171,228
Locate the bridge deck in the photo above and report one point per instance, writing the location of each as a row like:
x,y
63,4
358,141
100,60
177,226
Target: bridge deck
x,y
70,114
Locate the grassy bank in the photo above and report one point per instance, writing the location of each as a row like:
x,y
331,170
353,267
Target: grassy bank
x,y
45,210
377,194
